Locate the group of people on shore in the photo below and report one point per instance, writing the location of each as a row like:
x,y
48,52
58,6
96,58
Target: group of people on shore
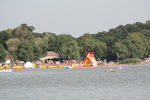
x,y
61,63
53,63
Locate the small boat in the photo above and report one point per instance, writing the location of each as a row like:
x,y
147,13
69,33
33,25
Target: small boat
x,y
6,70
110,70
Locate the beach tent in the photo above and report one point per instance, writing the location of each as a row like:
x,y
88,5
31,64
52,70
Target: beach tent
x,y
8,60
49,55
28,65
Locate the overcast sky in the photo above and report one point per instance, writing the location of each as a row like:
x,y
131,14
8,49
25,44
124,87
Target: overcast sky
x,y
74,17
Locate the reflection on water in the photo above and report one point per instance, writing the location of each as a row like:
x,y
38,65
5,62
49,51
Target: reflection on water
x,y
128,83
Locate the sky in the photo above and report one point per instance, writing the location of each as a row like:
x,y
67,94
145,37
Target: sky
x,y
74,17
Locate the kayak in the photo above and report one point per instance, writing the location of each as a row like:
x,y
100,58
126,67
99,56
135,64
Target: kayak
x,y
6,70
110,70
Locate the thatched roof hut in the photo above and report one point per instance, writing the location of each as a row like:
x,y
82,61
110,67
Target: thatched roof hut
x,y
49,55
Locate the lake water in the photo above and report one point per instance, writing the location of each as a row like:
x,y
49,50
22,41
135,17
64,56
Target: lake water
x,y
91,83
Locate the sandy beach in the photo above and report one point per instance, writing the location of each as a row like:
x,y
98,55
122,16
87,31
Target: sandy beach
x,y
88,83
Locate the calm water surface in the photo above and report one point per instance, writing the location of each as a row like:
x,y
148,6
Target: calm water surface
x,y
128,83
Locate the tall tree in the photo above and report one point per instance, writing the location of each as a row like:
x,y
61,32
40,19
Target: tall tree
x,y
12,45
67,46
3,53
5,35
95,46
45,41
120,50
52,43
25,51
24,32
39,42
37,51
136,45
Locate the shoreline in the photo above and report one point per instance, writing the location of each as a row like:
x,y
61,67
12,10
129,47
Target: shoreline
x,y
120,65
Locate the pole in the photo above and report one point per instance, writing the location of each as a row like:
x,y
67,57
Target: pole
x,y
118,57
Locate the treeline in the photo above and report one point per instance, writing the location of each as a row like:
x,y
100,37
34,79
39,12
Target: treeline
x,y
122,42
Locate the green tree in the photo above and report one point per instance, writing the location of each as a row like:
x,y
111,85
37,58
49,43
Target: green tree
x,y
4,36
86,36
67,46
24,32
147,24
45,42
135,43
37,52
95,46
52,43
39,42
108,39
120,50
3,53
139,41
132,28
100,49
25,51
147,48
12,45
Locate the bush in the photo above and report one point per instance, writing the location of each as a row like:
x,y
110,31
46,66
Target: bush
x,y
130,61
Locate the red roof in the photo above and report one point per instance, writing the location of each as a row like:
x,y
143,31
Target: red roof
x,y
8,57
50,53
